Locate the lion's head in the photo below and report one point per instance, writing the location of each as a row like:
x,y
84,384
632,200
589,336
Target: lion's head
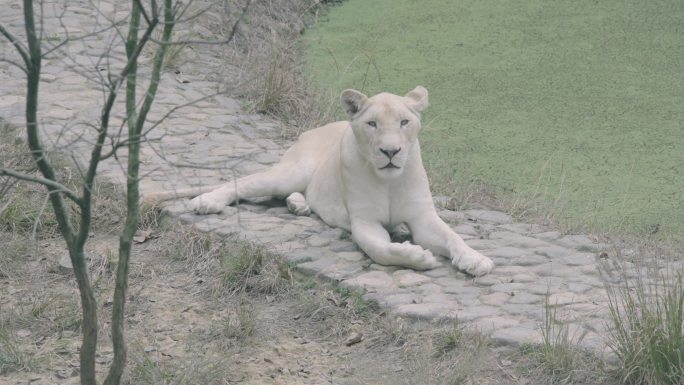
x,y
385,127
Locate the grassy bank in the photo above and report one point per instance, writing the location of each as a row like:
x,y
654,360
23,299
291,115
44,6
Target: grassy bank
x,y
574,108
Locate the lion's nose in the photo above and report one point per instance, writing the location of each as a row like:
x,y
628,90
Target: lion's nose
x,y
390,152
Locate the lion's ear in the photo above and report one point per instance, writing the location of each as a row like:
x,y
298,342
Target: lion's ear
x,y
418,98
352,101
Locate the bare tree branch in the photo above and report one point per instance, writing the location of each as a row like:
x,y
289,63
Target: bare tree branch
x,y
33,80
143,12
116,144
180,8
21,48
69,39
56,186
12,62
104,125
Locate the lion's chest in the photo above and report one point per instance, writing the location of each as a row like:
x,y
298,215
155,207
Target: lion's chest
x,y
382,203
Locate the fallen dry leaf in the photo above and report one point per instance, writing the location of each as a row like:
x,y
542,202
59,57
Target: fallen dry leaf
x,y
353,338
141,236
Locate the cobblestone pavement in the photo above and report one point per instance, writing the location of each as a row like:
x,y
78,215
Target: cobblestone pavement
x,y
224,141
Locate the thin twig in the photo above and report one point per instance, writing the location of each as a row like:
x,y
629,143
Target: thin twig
x,y
40,214
9,202
206,42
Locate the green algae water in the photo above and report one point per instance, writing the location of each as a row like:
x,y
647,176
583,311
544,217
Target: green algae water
x,y
579,104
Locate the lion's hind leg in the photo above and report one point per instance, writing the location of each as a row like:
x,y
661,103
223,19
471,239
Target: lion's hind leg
x,y
297,205
280,180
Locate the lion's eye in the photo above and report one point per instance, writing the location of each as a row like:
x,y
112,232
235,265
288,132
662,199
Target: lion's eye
x,y
371,123
404,122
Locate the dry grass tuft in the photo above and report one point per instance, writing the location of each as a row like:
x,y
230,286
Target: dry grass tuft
x,y
147,368
241,323
35,319
444,352
559,353
448,339
149,217
233,329
199,250
646,303
559,359
13,357
267,56
16,250
239,265
249,267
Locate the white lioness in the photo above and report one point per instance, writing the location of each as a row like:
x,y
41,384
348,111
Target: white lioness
x,y
365,176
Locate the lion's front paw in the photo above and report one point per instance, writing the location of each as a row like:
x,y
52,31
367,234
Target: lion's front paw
x,y
209,203
473,263
413,256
